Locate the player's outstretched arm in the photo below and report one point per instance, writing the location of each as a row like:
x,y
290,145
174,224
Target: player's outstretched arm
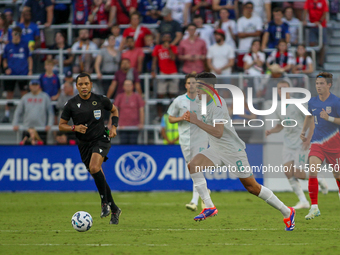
x,y
216,130
306,125
276,129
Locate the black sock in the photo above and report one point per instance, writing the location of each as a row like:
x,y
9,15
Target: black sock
x,y
100,181
112,204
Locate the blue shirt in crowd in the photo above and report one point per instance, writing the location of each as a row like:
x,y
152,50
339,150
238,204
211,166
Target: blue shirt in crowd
x,y
276,33
17,57
50,85
29,33
148,5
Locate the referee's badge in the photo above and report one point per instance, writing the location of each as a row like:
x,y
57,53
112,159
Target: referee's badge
x,y
328,109
97,114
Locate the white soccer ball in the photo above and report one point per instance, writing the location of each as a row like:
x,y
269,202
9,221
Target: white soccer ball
x,y
82,221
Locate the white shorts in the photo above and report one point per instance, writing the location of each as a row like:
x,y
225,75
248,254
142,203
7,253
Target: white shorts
x,y
235,163
298,155
190,153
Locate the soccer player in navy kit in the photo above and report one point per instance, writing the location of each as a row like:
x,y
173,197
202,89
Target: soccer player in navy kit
x,y
325,143
86,111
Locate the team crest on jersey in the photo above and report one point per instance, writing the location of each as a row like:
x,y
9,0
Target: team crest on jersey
x,y
94,102
97,114
328,109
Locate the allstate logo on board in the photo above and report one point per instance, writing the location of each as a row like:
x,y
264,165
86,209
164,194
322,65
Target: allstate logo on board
x,y
135,168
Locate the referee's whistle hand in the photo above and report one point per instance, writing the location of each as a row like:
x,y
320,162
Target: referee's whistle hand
x,y
113,132
81,129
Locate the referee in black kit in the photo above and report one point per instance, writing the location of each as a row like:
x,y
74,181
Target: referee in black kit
x,y
86,110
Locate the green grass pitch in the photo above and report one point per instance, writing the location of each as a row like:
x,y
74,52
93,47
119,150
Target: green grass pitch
x,y
158,223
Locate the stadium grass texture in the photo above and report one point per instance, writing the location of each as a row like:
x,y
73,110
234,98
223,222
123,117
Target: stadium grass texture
x,y
158,223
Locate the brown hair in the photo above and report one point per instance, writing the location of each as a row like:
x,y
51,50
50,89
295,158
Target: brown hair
x,y
189,75
6,24
327,76
49,62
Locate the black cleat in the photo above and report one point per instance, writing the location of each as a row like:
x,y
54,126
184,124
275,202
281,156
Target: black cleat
x,y
105,210
115,217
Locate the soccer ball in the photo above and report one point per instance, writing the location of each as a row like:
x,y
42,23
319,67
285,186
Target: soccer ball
x,y
82,221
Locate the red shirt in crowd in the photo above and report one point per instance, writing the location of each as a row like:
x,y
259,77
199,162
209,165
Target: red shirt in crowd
x,y
133,55
122,18
128,107
166,65
316,8
120,77
101,17
142,33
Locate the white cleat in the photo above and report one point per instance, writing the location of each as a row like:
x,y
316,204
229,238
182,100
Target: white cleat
x,y
313,212
323,186
191,206
202,202
301,205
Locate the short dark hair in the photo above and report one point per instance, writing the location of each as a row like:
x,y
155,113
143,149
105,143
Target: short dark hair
x,y
135,13
189,75
192,25
81,75
17,29
197,16
130,37
248,3
207,77
288,7
277,9
327,76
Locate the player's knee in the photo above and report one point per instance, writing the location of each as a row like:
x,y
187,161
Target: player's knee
x,y
94,168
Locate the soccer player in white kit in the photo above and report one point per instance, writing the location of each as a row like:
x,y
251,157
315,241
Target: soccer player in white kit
x,y
295,152
226,149
191,138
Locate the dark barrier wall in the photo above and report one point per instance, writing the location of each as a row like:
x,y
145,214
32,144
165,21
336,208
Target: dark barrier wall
x,y
129,168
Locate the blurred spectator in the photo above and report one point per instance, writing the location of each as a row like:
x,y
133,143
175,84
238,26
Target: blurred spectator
x,y
249,28
126,72
43,11
150,10
121,11
293,25
17,60
84,62
49,81
30,31
169,26
180,10
277,74
81,10
204,31
303,63
165,55
221,56
62,139
60,43
275,31
9,16
107,62
135,54
248,115
36,109
262,9
136,31
297,7
31,137
99,16
228,26
131,108
282,57
148,49
169,131
230,5
203,8
61,14
115,30
192,51
317,11
66,94
5,33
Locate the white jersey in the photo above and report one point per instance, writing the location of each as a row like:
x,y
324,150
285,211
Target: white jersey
x,y
291,134
229,142
189,134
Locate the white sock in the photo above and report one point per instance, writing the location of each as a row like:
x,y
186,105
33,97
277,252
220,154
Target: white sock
x,y
7,113
268,196
314,206
307,176
200,184
195,195
295,184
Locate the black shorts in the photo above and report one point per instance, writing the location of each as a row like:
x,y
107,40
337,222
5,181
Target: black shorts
x,y
101,146
9,85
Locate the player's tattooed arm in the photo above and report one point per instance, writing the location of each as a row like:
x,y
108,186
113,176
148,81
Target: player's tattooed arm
x,y
216,130
325,116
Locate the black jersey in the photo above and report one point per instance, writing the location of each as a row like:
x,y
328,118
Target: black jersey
x,y
88,113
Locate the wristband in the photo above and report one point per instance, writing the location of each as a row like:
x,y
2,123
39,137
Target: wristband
x,y
73,128
331,119
115,121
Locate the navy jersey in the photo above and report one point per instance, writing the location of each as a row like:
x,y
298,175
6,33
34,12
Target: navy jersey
x,y
50,85
29,33
38,10
276,33
17,57
326,133
149,5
